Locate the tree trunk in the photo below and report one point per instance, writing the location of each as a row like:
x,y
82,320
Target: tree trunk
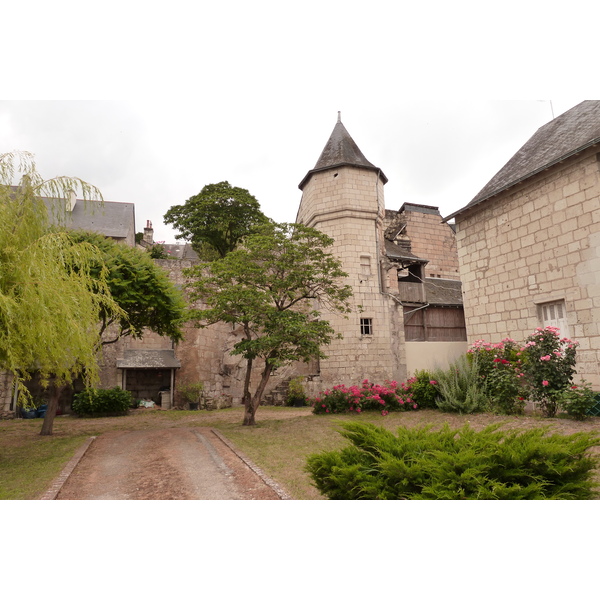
x,y
251,407
48,423
246,395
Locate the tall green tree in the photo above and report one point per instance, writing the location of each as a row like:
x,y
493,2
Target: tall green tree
x,y
142,289
216,219
50,302
274,286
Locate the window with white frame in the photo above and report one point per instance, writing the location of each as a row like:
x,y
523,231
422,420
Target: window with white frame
x,y
554,314
366,326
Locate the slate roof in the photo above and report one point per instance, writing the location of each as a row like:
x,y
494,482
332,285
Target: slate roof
x,y
148,359
396,252
111,219
181,251
563,137
443,291
341,150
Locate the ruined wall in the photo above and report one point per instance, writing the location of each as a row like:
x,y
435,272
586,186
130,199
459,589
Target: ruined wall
x,y
534,244
429,237
204,353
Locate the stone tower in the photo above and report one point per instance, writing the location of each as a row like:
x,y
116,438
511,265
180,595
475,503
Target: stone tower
x,y
342,196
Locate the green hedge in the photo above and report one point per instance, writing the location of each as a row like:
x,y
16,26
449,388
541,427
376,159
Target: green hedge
x,y
458,464
96,403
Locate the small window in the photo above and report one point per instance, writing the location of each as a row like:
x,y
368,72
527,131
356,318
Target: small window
x,y
554,314
366,327
365,265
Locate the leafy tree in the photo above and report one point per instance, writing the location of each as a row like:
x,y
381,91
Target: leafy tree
x,y
50,302
218,217
148,299
271,286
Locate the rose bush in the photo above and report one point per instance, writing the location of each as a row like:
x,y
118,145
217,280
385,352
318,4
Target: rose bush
x,y
548,367
500,369
369,396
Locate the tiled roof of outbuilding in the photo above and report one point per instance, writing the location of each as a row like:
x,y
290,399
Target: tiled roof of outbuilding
x,y
148,359
561,138
396,252
443,291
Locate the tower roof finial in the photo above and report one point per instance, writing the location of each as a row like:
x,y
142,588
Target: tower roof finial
x,y
339,116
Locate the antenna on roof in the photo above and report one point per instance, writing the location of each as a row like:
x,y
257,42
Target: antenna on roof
x,y
339,116
552,108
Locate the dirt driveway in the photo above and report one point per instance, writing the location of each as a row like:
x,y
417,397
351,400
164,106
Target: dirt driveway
x,y
166,464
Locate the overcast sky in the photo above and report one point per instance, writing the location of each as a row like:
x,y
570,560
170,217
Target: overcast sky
x,y
152,101
151,106
155,154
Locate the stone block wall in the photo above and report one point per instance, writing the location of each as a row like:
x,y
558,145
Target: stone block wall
x,y
429,238
536,243
348,205
205,355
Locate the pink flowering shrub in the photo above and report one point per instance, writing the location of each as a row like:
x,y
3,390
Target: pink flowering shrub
x,y
548,367
369,396
500,370
541,370
424,389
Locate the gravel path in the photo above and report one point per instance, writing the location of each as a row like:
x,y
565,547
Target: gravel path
x,y
166,464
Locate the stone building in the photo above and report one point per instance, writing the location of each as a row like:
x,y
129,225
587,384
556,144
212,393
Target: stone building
x,y
402,265
399,264
529,242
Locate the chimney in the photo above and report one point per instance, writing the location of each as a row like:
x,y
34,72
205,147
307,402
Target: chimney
x,y
71,201
149,233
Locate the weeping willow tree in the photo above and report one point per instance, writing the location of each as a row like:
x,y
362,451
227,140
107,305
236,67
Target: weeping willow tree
x,y
49,300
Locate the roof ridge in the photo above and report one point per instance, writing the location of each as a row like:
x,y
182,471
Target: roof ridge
x,y
568,134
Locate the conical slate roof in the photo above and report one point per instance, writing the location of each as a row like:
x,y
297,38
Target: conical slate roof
x,y
561,138
341,150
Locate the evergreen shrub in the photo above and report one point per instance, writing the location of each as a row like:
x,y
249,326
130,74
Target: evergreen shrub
x,y
421,464
100,403
296,396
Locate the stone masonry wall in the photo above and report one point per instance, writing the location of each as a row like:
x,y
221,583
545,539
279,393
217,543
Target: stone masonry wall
x,y
429,238
537,242
347,204
204,353
435,241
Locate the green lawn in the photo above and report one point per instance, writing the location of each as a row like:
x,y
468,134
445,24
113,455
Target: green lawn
x,y
279,443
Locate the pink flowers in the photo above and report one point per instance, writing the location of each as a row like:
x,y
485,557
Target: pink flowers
x,y
545,358
432,382
392,396
544,383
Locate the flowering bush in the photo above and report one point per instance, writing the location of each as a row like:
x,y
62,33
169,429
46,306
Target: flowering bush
x,y
542,370
577,400
423,388
369,396
500,369
549,367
